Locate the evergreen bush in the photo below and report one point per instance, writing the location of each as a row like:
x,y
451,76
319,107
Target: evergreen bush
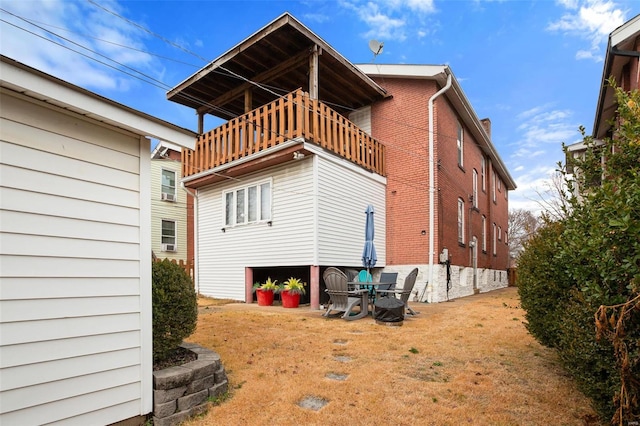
x,y
175,308
579,278
542,284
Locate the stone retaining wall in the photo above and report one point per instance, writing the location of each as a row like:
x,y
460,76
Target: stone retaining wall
x,y
181,392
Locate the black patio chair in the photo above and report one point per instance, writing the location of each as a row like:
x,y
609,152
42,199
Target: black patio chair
x,y
404,293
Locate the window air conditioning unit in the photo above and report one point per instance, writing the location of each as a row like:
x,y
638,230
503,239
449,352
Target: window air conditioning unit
x,y
168,247
168,197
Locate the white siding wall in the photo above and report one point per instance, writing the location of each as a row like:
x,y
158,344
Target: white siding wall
x,y
167,210
317,219
362,118
223,256
70,267
344,194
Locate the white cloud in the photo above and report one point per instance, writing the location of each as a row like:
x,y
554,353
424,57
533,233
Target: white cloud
x,y
389,19
60,37
591,20
542,130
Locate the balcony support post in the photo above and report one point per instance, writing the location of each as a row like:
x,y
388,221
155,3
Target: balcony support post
x,y
248,100
200,123
313,72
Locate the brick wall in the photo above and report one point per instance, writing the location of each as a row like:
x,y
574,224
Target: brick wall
x,y
401,123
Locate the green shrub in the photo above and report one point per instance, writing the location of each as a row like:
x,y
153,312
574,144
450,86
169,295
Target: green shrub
x,y
588,264
175,308
542,283
589,361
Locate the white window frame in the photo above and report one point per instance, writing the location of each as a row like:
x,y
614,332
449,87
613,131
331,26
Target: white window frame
x,y
475,188
460,145
499,233
168,189
493,186
484,233
460,221
495,242
483,172
232,217
164,238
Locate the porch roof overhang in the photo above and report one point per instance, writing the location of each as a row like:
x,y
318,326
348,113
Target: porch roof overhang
x,y
455,95
621,49
274,61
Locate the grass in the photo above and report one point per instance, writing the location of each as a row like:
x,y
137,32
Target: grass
x,y
455,371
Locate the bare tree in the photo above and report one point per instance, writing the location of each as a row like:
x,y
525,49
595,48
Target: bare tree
x,y
554,198
523,224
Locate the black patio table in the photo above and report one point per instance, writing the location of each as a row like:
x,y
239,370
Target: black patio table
x,y
372,287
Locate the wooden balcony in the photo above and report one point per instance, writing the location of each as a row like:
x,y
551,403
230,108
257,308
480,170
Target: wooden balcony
x,y
292,116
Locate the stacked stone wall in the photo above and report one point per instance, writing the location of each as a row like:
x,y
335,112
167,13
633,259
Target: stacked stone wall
x,y
183,391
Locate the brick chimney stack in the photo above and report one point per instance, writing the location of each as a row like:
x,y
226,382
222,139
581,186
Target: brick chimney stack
x,y
486,123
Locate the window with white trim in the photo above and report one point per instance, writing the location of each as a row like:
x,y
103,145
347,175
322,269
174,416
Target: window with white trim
x,y
495,242
169,232
474,195
168,185
483,172
460,220
493,186
499,233
484,233
460,144
249,204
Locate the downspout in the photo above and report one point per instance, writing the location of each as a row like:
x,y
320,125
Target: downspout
x,y
196,256
432,186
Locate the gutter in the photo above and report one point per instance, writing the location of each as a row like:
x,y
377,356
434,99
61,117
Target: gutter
x,y
432,187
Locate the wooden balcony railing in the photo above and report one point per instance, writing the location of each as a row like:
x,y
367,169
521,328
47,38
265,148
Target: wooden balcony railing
x,y
291,116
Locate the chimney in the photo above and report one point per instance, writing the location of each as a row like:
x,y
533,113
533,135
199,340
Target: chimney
x,y
486,123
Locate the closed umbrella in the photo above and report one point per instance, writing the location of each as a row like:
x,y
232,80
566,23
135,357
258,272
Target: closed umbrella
x,y
369,257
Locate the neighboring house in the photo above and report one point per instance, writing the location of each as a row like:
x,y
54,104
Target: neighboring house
x,y
621,63
312,139
168,204
75,252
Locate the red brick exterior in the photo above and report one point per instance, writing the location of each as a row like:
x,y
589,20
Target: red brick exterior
x,y
401,123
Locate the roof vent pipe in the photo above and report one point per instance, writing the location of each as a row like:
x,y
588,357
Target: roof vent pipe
x,y
432,186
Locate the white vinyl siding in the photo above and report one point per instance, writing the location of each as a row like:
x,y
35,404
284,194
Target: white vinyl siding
x,y
343,196
289,241
362,118
71,227
163,210
317,218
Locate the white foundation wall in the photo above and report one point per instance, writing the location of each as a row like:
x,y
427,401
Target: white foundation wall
x,y
461,281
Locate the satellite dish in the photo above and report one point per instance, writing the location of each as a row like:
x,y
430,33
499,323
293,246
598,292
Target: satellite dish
x,y
376,47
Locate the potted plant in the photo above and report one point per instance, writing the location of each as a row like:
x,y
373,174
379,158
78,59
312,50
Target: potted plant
x,y
266,291
291,290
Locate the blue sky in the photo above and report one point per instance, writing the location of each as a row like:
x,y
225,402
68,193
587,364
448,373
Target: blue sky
x,y
533,67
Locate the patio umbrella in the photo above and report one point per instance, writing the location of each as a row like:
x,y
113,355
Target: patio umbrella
x,y
369,257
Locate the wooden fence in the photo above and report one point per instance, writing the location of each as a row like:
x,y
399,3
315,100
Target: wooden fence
x,y
187,265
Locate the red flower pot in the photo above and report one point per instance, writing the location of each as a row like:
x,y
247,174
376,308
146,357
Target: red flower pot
x,y
265,297
290,300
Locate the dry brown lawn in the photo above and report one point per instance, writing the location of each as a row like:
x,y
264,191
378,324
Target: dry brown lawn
x,y
469,361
